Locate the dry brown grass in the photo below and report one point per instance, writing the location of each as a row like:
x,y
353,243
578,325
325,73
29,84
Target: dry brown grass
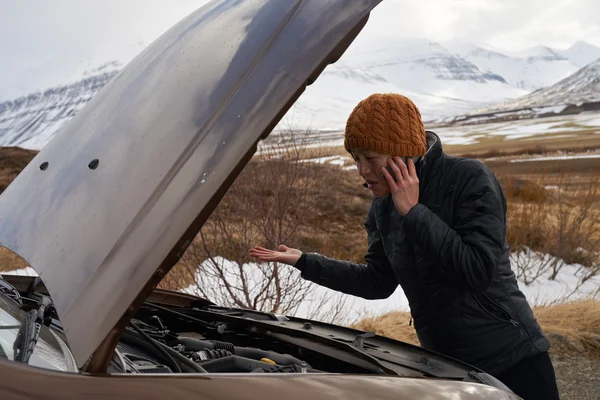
x,y
10,261
582,140
497,146
570,327
484,152
394,325
12,161
557,220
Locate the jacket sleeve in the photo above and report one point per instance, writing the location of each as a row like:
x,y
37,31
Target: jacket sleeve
x,y
472,247
373,280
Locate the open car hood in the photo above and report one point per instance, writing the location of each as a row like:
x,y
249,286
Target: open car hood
x,y
113,201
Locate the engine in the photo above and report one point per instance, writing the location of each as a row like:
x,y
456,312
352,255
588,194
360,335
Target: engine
x,y
152,347
187,354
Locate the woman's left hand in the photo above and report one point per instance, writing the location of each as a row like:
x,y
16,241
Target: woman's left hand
x,y
405,191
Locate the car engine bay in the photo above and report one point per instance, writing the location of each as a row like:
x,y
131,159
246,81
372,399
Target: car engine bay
x,y
159,340
172,333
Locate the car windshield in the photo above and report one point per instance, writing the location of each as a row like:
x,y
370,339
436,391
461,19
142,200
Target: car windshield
x,y
50,352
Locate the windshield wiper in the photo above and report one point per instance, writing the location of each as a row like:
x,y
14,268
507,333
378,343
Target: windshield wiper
x,y
30,330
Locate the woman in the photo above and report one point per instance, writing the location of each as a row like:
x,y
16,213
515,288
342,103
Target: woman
x,y
436,227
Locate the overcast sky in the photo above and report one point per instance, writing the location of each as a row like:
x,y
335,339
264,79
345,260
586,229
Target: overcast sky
x,y
48,42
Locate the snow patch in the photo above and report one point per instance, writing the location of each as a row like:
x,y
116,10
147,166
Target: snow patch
x,y
28,271
542,290
556,158
550,109
334,160
566,286
546,138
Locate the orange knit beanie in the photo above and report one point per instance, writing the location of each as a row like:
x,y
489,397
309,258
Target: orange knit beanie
x,y
386,123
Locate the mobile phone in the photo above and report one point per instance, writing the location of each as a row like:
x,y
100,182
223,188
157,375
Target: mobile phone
x,y
389,169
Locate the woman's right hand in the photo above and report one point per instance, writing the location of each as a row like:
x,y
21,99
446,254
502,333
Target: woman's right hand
x,y
285,254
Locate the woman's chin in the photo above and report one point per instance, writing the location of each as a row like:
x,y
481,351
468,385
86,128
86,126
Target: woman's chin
x,y
379,190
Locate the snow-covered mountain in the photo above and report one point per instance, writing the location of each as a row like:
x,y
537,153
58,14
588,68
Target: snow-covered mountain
x,y
326,104
442,80
576,93
581,53
439,82
32,120
426,67
579,88
530,70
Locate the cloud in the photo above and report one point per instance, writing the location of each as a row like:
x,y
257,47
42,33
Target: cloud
x,y
46,43
510,24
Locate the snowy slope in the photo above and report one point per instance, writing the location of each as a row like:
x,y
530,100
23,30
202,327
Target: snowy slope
x,y
426,67
530,70
31,121
579,88
439,82
581,53
326,104
66,69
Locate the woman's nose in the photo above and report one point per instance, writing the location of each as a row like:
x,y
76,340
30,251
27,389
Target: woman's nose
x,y
364,168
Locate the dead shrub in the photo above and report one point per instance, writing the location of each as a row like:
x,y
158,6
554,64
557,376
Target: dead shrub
x,y
564,223
269,204
524,190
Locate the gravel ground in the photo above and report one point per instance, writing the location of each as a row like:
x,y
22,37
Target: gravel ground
x,y
578,377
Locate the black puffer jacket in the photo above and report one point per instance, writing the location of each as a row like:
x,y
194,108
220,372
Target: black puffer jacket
x,y
450,255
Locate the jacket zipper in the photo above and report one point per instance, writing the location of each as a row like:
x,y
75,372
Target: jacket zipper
x,y
512,320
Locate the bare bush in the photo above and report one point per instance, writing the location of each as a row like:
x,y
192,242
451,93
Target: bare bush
x,y
563,223
530,265
267,205
577,235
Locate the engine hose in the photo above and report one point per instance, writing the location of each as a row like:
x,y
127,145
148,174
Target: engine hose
x,y
186,364
184,360
257,354
204,355
140,342
156,344
223,346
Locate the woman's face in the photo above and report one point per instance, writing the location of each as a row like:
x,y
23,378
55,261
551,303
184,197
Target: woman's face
x,y
369,164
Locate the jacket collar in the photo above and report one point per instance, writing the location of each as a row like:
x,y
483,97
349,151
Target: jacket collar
x,y
427,163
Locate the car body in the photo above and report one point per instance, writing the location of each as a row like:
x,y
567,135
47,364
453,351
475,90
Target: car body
x,y
106,209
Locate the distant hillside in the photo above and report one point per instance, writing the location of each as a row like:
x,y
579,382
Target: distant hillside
x,y
32,120
577,93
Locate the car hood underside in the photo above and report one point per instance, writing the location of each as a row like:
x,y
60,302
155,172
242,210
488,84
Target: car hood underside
x,y
111,203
